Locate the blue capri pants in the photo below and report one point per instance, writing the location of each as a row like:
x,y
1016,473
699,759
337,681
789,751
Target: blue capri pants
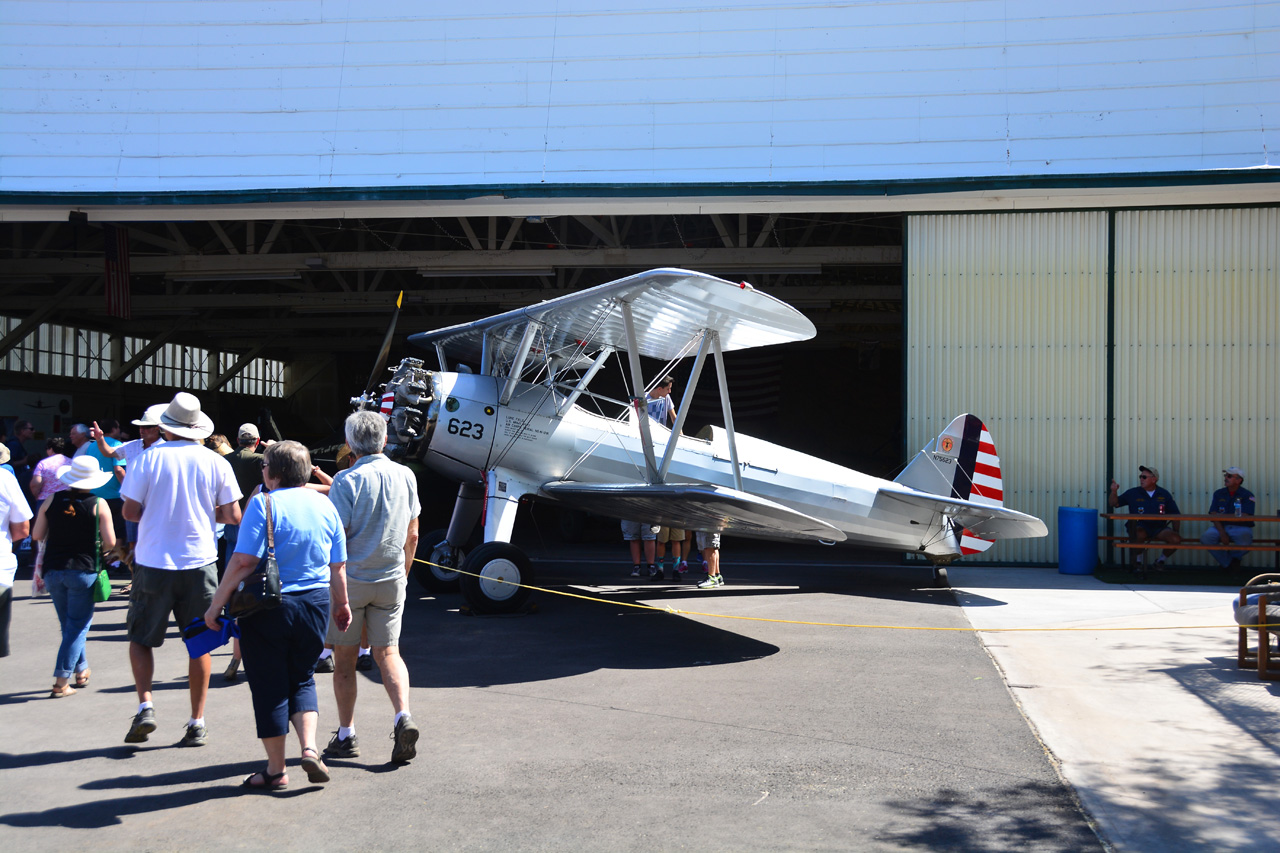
x,y
280,648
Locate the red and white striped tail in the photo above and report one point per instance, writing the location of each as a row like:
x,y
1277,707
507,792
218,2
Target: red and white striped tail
x,y
988,485
971,544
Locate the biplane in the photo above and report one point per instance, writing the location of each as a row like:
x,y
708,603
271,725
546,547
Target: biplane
x,y
504,416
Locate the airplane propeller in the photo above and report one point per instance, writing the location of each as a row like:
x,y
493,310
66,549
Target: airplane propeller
x,y
381,364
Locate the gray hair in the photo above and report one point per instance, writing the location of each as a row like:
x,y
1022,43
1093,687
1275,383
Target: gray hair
x,y
366,433
289,462
83,429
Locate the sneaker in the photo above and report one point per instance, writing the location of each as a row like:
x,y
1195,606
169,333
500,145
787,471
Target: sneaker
x,y
325,664
406,738
635,571
347,747
712,582
364,663
657,574
144,723
195,736
683,567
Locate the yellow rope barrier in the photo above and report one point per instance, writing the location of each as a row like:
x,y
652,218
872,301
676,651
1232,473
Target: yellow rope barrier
x,y
679,612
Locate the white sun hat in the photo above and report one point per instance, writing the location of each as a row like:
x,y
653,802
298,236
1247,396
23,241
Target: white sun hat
x,y
83,473
183,418
151,417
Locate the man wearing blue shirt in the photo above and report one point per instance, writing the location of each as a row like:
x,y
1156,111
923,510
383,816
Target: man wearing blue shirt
x,y
1232,500
1147,498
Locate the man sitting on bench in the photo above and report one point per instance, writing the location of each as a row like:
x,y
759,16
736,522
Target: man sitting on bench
x,y
1232,500
1147,498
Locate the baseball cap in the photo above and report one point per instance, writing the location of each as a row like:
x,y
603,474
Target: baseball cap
x,y
1234,470
249,431
1152,471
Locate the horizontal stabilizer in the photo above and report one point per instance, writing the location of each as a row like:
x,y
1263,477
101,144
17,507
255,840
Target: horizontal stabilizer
x,y
980,520
694,507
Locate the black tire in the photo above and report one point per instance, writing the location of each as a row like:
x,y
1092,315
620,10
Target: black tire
x,y
940,579
433,578
496,562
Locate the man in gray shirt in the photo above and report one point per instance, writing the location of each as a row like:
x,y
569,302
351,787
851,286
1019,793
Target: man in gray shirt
x,y
377,500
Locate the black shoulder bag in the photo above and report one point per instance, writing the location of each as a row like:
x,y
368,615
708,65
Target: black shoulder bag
x,y
260,590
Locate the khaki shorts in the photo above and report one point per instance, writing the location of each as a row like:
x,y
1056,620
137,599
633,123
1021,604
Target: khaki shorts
x,y
156,593
670,534
379,605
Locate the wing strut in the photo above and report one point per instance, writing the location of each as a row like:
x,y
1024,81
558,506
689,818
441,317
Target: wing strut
x,y
651,473
517,363
584,381
685,404
726,410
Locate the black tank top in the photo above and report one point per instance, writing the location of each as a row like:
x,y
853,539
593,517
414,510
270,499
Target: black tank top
x,y
70,541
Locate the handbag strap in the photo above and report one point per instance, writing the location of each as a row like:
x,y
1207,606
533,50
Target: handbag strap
x,y
97,538
271,536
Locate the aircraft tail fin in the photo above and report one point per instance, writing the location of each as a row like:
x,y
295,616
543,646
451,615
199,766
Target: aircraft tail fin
x,y
960,463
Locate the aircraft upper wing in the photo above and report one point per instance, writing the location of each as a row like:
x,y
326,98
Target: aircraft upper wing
x,y
669,306
695,507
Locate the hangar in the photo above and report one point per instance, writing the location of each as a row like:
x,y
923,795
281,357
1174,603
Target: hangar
x,y
1063,221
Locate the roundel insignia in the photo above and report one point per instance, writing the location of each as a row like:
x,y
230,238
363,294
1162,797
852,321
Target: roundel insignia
x,y
947,443
451,404
488,410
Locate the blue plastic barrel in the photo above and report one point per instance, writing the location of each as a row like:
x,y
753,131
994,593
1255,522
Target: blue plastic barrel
x,y
1077,540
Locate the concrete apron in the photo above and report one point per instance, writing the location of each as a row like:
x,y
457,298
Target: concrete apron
x,y
1169,746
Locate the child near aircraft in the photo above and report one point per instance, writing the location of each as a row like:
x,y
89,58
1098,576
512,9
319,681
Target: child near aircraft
x,y
674,536
710,545
636,534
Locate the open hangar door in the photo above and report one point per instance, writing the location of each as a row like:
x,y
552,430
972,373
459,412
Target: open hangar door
x,y
316,296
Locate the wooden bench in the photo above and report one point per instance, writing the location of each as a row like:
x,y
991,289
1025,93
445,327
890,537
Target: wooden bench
x,y
1267,587
1193,544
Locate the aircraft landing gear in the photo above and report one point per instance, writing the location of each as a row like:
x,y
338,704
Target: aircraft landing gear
x,y
437,577
940,577
495,563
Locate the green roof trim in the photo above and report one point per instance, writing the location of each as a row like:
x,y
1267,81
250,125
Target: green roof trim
x,y
459,192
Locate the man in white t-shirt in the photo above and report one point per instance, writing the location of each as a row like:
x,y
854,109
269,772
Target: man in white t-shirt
x,y
178,491
149,428
15,525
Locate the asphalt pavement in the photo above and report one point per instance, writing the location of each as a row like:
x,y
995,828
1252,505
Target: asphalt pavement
x,y
754,718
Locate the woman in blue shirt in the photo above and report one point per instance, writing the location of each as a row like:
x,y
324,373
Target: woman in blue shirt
x,y
280,646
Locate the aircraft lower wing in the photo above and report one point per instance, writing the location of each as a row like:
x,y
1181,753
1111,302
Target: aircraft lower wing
x,y
694,507
988,522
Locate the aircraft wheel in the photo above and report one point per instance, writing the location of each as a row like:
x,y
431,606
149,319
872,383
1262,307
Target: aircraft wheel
x,y
496,563
434,578
940,577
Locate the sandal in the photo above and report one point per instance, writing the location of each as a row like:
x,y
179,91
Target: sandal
x,y
316,771
82,677
59,692
264,781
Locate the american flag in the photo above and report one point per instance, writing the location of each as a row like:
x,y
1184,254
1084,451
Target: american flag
x,y
116,271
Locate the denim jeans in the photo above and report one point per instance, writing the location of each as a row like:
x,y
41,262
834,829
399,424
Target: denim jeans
x,y
72,594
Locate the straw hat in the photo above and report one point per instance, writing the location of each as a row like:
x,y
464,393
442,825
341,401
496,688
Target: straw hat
x,y
151,417
83,473
184,419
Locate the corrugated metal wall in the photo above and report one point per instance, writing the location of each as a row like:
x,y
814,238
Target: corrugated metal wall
x,y
1197,366
1006,318
171,95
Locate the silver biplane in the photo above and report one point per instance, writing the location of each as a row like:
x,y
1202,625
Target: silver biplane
x,y
515,428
